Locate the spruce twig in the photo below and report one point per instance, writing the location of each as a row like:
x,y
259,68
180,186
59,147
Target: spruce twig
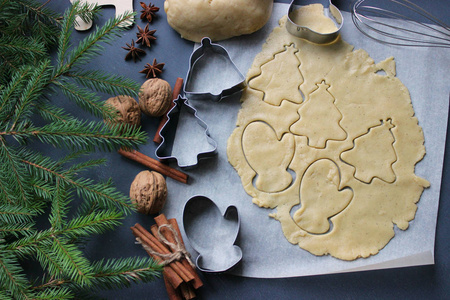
x,y
32,182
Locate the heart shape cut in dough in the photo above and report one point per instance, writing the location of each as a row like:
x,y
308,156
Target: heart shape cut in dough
x,y
268,156
320,197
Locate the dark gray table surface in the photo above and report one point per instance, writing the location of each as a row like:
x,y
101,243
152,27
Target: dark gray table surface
x,y
425,282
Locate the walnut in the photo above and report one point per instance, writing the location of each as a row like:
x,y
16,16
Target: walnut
x,y
149,192
155,97
127,108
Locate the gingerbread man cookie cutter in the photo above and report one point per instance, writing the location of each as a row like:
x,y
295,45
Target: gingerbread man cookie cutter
x,y
304,32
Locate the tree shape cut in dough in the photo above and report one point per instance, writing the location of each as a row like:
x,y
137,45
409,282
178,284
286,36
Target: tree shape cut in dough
x,y
268,156
319,119
280,78
320,197
373,154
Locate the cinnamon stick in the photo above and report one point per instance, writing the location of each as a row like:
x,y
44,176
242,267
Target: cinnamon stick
x,y
162,220
184,273
157,246
154,165
176,92
187,292
172,293
172,276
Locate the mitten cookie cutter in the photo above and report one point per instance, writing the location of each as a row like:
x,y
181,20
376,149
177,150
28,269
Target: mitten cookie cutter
x,y
304,32
205,52
212,234
170,128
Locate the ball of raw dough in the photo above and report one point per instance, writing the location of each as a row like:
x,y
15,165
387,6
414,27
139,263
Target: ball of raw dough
x,y
216,19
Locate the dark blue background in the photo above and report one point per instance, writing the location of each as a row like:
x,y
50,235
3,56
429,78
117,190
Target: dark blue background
x,y
426,282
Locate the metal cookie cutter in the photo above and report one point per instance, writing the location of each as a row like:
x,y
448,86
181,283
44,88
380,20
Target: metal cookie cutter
x,y
168,132
212,234
307,33
206,58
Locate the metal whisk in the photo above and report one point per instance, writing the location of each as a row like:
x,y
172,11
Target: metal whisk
x,y
420,28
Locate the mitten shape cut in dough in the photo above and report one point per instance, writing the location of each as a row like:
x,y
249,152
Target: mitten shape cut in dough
x,y
217,19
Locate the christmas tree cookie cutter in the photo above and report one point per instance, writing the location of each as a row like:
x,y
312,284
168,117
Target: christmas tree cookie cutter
x,y
168,134
212,234
304,32
212,57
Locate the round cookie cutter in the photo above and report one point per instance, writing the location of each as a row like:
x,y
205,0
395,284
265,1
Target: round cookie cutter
x,y
304,32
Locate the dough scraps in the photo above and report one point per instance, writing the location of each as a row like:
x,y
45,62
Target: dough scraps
x,y
330,143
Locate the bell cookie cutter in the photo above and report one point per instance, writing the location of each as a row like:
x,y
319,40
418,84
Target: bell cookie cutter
x,y
170,128
207,50
307,33
212,234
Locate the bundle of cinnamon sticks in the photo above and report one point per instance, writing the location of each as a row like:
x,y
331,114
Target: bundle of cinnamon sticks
x,y
165,245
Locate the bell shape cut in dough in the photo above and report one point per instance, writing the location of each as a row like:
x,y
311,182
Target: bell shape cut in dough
x,y
319,119
268,156
320,197
373,154
280,78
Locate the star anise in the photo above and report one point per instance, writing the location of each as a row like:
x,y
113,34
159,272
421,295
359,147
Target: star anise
x,y
153,70
133,52
149,11
145,35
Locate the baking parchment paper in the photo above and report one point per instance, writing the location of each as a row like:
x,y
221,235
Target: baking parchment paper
x,y
266,252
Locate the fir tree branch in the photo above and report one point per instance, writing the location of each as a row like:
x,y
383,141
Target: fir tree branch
x,y
10,93
53,113
43,190
84,98
115,273
119,273
14,174
16,214
59,205
91,45
55,294
12,278
76,266
65,34
103,82
38,81
16,50
30,181
47,259
15,229
82,135
102,193
84,165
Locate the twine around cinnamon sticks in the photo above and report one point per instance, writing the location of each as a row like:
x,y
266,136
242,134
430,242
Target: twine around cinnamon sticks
x,y
165,245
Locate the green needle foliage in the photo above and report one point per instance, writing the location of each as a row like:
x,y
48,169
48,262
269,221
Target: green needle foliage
x,y
32,183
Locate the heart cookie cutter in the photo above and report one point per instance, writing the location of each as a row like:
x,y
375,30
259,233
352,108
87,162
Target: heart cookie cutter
x,y
304,32
215,241
168,132
204,56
